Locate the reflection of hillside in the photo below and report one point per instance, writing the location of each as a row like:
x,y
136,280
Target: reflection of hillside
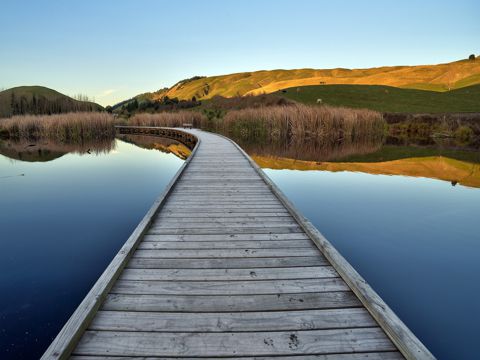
x,y
47,150
435,167
165,145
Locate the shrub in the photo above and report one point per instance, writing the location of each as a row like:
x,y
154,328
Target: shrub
x,y
464,134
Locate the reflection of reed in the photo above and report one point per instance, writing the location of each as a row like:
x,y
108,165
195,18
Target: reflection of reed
x,y
311,149
47,150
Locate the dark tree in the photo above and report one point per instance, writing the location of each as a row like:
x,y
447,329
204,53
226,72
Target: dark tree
x,y
471,57
109,109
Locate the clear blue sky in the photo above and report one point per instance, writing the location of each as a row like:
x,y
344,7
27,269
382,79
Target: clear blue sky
x,y
112,50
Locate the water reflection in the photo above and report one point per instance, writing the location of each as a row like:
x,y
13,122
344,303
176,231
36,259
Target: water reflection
x,y
47,150
165,145
437,159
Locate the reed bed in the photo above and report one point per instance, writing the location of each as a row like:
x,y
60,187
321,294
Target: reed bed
x,y
71,127
170,119
300,122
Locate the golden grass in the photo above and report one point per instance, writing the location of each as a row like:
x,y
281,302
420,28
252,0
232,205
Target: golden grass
x,y
441,77
71,127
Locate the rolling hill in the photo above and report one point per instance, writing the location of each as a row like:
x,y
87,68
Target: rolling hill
x,y
441,77
40,100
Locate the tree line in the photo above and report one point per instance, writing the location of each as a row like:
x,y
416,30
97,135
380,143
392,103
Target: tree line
x,y
40,105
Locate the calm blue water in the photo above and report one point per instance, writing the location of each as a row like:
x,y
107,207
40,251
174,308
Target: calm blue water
x,y
61,224
415,240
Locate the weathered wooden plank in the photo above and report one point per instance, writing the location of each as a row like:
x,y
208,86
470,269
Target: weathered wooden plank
x,y
231,303
234,189
222,223
219,200
390,355
225,253
260,244
225,263
234,343
223,207
231,184
284,218
229,230
229,287
227,208
230,274
227,237
237,321
210,214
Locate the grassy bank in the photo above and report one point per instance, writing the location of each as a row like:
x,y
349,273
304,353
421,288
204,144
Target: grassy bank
x,y
388,99
71,127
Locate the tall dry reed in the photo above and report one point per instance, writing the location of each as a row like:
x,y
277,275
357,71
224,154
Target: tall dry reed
x,y
169,119
328,124
71,127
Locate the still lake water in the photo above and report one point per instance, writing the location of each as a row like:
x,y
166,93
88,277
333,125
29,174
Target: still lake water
x,y
61,224
412,234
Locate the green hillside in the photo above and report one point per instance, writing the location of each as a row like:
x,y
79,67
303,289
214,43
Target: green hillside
x,y
388,99
40,100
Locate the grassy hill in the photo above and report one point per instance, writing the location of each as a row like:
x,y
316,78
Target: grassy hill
x,y
389,99
40,100
441,77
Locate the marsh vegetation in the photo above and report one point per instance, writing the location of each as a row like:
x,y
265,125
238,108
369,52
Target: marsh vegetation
x,y
71,128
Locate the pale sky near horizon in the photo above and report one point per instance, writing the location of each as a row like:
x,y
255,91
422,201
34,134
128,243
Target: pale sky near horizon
x,y
113,50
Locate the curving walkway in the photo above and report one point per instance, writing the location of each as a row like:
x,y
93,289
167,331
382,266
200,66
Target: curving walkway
x,y
224,267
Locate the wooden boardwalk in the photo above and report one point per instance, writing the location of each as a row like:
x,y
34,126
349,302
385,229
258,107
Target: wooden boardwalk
x,y
223,266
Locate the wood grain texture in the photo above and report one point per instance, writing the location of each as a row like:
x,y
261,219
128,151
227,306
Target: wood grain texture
x,y
231,303
226,263
390,355
237,321
259,287
252,244
230,274
233,343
